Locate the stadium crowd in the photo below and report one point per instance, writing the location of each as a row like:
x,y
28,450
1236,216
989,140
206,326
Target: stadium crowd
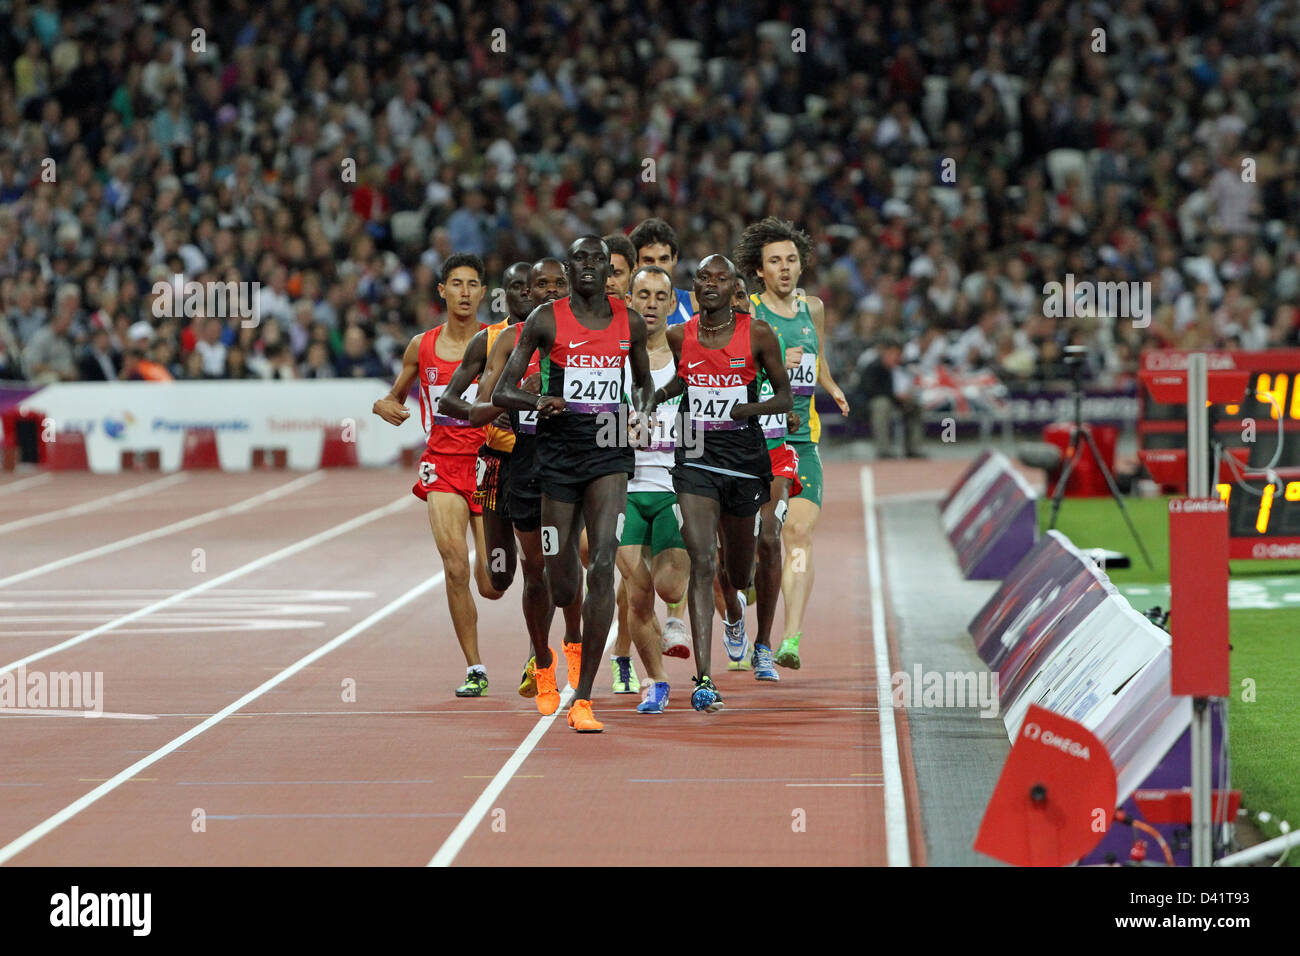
x,y
949,160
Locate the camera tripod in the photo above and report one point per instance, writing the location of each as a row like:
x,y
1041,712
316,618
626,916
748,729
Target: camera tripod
x,y
1079,432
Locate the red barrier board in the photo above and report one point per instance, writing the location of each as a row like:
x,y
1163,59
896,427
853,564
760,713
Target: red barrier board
x,y
1198,582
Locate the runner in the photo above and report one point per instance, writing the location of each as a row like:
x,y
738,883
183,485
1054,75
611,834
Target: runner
x,y
726,479
652,556
494,456
622,259
767,578
447,467
522,497
493,471
776,252
583,457
622,263
655,244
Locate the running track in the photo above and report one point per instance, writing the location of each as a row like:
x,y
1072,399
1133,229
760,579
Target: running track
x,y
230,616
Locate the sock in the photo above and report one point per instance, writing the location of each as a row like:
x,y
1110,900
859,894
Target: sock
x,y
469,671
675,610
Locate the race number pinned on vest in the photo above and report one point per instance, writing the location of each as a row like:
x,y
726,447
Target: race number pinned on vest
x,y
710,408
803,377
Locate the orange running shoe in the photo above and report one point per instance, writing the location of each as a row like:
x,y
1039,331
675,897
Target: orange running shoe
x,y
548,696
582,720
574,653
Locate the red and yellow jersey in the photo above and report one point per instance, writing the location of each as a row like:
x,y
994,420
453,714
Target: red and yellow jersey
x,y
447,435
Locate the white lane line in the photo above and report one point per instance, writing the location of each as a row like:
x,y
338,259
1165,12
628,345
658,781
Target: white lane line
x,y
108,786
95,505
39,712
898,851
238,572
470,821
239,507
22,483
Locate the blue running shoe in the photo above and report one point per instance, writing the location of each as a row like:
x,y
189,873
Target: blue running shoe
x,y
733,635
764,669
656,699
706,697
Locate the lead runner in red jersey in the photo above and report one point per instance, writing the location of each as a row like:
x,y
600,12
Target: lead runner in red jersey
x,y
583,341
446,478
723,476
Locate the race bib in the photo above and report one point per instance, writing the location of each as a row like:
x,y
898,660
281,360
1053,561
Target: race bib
x,y
528,422
774,426
803,377
592,390
710,408
663,436
435,392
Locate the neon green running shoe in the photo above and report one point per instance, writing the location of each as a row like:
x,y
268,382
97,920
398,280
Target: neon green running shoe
x,y
475,685
528,682
625,679
788,655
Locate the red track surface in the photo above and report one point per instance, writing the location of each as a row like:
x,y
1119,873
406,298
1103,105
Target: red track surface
x,y
299,776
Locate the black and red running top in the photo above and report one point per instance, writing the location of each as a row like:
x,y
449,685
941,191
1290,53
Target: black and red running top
x,y
717,380
585,368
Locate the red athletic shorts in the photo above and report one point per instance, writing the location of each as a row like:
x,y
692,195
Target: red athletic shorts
x,y
785,464
453,474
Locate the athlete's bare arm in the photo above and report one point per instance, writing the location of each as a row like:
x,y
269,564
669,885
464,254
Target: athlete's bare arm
x,y
471,366
537,335
818,312
643,389
392,407
675,335
483,411
768,357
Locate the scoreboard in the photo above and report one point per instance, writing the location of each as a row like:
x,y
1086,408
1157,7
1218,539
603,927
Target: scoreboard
x,y
1267,524
1264,521
1272,391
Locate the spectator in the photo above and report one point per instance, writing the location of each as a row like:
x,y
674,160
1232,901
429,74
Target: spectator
x,y
887,391
211,349
99,363
358,359
279,362
236,364
317,364
48,357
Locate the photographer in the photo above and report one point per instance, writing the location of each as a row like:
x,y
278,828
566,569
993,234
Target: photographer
x,y
889,390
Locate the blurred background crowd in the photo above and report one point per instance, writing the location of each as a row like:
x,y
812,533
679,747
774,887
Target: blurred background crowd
x,y
948,159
